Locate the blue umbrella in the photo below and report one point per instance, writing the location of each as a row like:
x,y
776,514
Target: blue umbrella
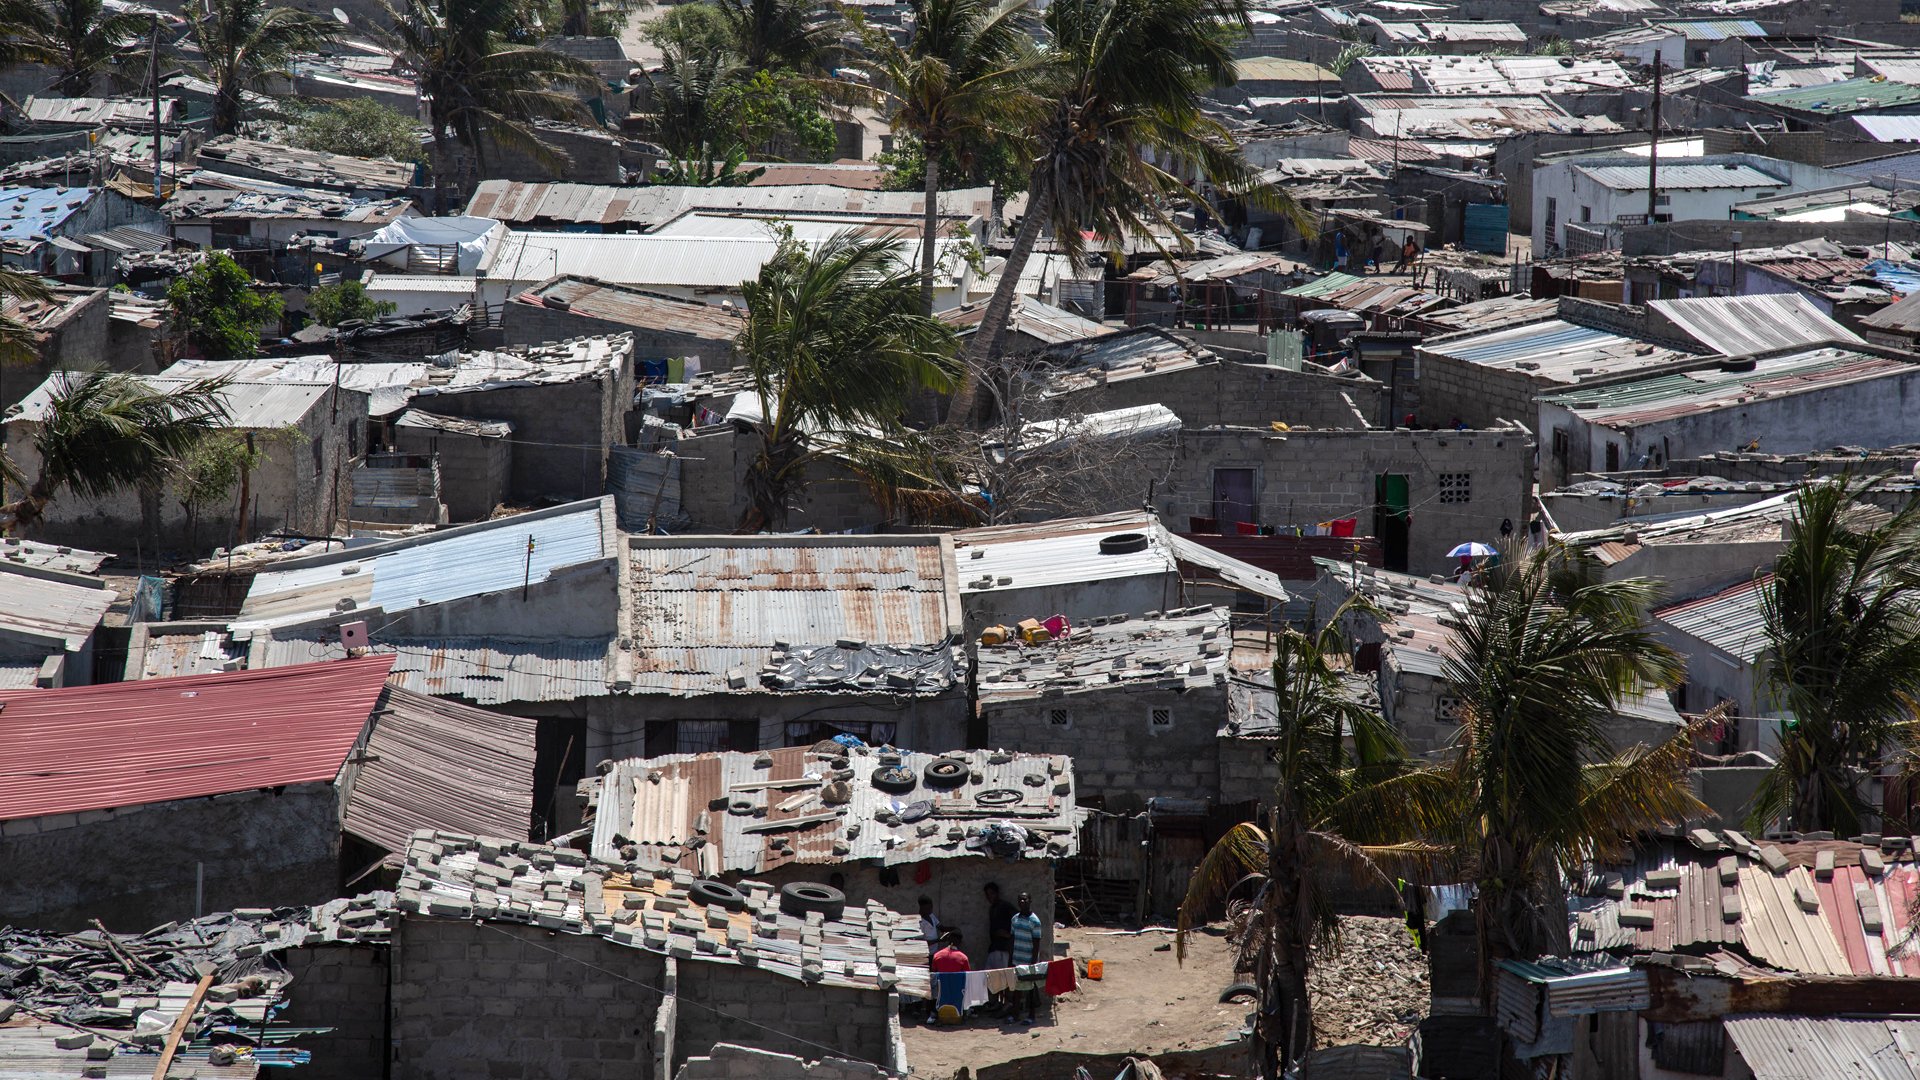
x,y
1473,548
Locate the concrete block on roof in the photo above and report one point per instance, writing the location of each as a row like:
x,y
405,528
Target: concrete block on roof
x,y
76,1040
1635,918
1869,905
1823,865
1705,840
1871,862
1729,869
1774,860
1667,878
1804,895
1730,907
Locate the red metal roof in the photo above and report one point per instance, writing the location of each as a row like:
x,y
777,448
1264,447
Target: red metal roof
x,y
123,744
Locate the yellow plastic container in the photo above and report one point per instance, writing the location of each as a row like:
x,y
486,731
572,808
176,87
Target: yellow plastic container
x,y
1096,969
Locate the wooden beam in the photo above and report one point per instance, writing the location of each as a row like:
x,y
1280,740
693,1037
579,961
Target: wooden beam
x,y
180,1023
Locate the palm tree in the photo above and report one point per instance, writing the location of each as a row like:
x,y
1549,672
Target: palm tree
x,y
481,83
18,343
687,116
106,432
1541,660
244,42
83,38
964,78
797,35
1320,803
1123,127
1843,632
836,346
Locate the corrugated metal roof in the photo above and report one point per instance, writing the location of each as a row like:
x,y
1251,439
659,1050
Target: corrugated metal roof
x,y
1680,177
663,805
1714,29
433,764
1732,620
705,606
644,207
1557,351
1890,128
1664,397
1183,650
485,671
1500,311
868,947
1832,99
1750,324
1060,552
250,405
433,568
62,614
301,166
633,307
199,652
1333,281
1280,69
1034,318
122,744
1826,1047
669,261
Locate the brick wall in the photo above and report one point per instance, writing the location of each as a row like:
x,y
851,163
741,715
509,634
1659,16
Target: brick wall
x,y
560,433
1247,771
474,471
505,1002
1249,394
1115,754
1305,477
133,868
728,1003
713,488
617,723
1476,394
343,987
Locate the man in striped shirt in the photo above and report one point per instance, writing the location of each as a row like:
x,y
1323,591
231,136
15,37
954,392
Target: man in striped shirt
x,y
1029,934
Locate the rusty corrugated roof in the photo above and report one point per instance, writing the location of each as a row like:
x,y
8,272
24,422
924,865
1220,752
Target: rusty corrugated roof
x,y
435,764
122,744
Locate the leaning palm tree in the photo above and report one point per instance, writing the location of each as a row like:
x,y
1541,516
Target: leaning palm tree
x,y
1843,658
18,342
1123,129
482,84
798,35
687,119
246,42
1329,751
84,39
836,347
965,77
101,433
1541,661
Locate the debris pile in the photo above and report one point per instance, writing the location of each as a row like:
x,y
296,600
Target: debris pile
x,y
1374,990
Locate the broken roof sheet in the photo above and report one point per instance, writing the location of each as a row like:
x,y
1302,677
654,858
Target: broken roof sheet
x,y
432,568
74,560
1181,650
1483,75
1803,1047
1839,98
754,813
689,262
1737,325
307,167
561,890
1446,117
123,744
482,670
1660,397
710,614
434,764
1033,318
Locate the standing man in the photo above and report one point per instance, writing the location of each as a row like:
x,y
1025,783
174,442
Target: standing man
x,y
1029,934
929,922
999,929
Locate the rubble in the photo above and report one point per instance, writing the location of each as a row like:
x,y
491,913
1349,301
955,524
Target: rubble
x,y
1373,989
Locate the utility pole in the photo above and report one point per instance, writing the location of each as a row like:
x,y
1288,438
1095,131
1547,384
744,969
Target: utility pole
x,y
156,108
1653,148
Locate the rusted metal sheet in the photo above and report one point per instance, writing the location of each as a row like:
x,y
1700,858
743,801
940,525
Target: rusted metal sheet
x,y
435,764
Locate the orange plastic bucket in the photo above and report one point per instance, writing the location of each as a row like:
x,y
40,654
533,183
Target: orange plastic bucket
x,y
1096,968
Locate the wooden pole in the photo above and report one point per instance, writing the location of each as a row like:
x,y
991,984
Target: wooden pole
x,y
180,1024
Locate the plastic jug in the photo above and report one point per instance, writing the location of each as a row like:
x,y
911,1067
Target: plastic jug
x,y
1096,968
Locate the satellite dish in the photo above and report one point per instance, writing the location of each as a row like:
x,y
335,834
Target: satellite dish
x,y
341,16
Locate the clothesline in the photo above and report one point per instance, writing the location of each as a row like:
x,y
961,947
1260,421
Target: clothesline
x,y
966,989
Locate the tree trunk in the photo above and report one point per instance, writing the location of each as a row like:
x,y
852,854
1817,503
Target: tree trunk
x,y
991,336
770,481
246,493
1285,1024
930,229
442,163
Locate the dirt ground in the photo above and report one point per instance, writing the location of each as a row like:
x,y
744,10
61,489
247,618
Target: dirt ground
x,y
1146,1004
1373,991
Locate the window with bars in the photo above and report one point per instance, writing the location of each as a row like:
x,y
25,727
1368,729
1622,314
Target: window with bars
x,y
1060,718
1456,487
1448,710
1160,718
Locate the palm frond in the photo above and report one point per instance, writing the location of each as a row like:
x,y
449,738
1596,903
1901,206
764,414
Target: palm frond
x,y
1241,851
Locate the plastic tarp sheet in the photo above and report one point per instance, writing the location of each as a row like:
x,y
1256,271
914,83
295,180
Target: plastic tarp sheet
x,y
470,234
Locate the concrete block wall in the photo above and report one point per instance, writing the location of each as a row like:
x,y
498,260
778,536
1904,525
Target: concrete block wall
x,y
729,1062
1248,394
1247,771
474,471
509,1002
534,324
713,488
1476,394
728,1003
1306,477
560,433
1115,754
134,867
1411,702
343,987
956,886
617,723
